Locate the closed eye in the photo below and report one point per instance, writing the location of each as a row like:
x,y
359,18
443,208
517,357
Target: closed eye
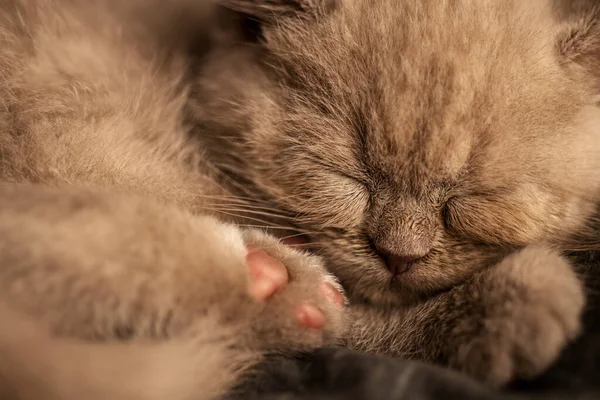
x,y
333,169
451,213
446,214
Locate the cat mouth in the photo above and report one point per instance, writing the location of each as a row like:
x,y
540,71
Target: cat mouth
x,y
403,272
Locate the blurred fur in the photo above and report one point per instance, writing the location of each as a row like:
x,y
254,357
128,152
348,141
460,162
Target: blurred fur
x,y
57,369
132,135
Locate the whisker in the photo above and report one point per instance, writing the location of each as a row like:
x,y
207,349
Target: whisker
x,y
263,213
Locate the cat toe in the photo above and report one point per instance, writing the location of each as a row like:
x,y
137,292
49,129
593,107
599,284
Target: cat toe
x,y
310,316
267,275
333,294
302,306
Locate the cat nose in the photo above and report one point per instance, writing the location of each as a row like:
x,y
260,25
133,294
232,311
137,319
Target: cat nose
x,y
399,263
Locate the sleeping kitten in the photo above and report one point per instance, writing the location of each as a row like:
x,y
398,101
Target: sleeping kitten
x,y
436,156
440,156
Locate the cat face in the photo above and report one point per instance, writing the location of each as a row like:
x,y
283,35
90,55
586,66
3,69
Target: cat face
x,y
415,142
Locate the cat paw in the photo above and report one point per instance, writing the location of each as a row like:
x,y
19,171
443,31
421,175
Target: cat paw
x,y
302,306
530,307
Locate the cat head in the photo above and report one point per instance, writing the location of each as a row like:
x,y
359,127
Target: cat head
x,y
415,142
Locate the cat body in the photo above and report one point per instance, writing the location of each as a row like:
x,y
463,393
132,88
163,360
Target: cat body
x,y
437,167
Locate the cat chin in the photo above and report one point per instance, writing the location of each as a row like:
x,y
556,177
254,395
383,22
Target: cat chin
x,y
388,296
386,290
401,290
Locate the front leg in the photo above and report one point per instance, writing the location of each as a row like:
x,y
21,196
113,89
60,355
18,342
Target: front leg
x,y
106,288
510,321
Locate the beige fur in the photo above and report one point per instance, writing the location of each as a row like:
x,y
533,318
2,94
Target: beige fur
x,y
56,369
100,247
108,267
460,136
416,145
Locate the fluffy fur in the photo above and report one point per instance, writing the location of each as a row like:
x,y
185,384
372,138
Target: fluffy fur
x,y
438,157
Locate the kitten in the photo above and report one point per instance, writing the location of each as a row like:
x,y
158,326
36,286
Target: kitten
x,y
437,167
440,156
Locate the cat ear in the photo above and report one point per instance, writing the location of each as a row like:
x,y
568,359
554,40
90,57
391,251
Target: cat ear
x,y
579,43
271,10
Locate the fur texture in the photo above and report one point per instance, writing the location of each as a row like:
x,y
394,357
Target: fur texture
x,y
437,158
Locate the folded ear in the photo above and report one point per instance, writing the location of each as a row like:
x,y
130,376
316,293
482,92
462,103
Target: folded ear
x,y
270,10
579,43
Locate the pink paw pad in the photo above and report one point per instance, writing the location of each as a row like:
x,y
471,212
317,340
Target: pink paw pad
x,y
332,294
267,274
310,316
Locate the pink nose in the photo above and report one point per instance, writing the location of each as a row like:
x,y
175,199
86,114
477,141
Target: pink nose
x,y
400,263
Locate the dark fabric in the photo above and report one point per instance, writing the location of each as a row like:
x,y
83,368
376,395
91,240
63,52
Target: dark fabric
x,y
336,373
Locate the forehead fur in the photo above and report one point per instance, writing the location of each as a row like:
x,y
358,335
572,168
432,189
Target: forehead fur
x,y
427,89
